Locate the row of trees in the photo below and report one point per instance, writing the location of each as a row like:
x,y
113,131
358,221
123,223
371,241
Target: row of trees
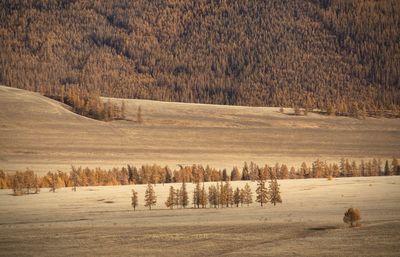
x,y
218,196
196,173
335,55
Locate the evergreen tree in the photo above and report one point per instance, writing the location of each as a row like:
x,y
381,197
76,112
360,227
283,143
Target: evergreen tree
x,y
213,196
203,197
177,198
274,193
236,197
222,195
150,196
168,177
133,176
218,195
74,178
229,194
197,196
235,174
242,197
304,172
17,184
284,172
224,175
52,180
134,199
395,167
387,170
262,192
245,172
171,198
184,199
247,195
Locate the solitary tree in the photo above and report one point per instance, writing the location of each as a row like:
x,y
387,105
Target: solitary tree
x,y
262,192
274,194
171,198
134,199
150,196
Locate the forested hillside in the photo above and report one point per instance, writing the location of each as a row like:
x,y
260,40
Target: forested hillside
x,y
337,55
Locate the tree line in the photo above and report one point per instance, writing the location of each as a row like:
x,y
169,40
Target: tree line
x,y
28,182
220,195
338,56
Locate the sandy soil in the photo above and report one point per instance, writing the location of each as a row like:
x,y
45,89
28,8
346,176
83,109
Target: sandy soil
x,y
99,221
41,134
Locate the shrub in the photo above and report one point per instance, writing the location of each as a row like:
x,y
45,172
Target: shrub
x,y
352,216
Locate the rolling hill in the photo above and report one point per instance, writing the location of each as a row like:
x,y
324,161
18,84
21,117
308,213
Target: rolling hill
x,y
42,134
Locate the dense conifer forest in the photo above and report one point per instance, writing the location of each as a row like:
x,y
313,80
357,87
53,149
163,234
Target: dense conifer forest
x,y
339,56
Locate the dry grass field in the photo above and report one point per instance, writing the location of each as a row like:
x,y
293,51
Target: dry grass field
x,y
41,134
99,221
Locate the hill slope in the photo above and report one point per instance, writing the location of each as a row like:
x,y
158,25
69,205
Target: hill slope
x,y
328,54
41,134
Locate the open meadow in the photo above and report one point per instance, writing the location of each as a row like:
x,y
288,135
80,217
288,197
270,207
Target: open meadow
x,y
43,135
99,221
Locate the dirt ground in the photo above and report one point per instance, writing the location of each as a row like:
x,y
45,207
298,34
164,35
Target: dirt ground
x,y
40,134
99,221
